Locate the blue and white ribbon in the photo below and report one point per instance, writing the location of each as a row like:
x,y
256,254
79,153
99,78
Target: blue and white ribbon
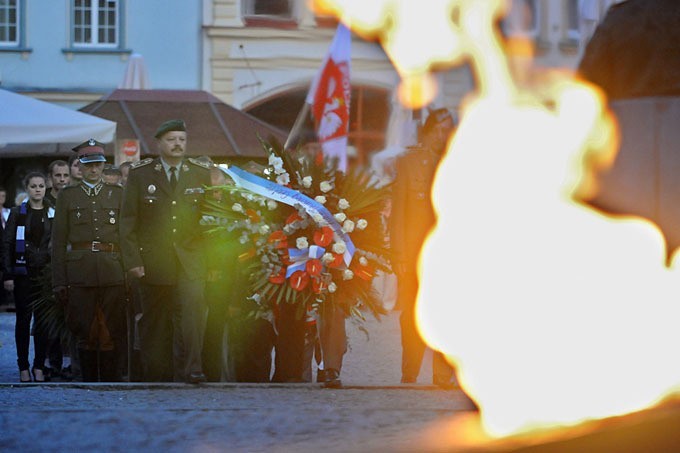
x,y
299,258
291,197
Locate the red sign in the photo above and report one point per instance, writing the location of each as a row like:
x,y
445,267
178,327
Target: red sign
x,y
130,148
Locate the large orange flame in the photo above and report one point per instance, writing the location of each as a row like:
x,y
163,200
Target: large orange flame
x,y
552,313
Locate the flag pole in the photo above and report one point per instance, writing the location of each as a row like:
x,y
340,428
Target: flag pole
x,y
295,130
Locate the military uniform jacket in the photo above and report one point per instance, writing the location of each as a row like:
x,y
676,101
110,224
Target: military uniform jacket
x,y
160,226
84,215
412,213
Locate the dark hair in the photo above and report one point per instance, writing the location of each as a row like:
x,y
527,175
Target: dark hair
x,y
33,174
71,159
56,163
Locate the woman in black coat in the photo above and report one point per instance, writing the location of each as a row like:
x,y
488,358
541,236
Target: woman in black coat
x,y
25,253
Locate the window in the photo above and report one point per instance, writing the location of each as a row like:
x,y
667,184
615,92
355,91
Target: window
x,y
10,23
270,8
269,13
523,19
572,19
96,23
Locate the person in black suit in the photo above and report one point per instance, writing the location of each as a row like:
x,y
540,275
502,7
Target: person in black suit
x,y
163,246
412,218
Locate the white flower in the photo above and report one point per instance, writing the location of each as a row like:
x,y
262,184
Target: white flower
x,y
340,217
265,259
302,243
283,179
327,258
325,186
264,229
320,199
237,207
332,287
243,239
347,274
288,229
339,247
348,226
362,224
256,298
271,205
275,161
343,204
307,182
318,218
363,261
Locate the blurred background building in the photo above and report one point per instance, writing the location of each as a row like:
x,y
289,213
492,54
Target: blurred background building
x,y
258,56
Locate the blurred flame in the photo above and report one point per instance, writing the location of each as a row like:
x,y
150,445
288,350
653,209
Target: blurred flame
x,y
553,313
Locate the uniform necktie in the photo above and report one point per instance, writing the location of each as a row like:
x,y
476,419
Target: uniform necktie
x,y
173,177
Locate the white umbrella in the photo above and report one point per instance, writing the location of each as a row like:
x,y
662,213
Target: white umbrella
x,y
28,124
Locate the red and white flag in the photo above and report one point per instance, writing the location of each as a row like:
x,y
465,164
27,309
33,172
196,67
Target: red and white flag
x,y
329,98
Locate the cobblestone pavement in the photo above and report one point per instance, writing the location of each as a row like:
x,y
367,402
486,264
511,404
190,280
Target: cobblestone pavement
x,y
373,412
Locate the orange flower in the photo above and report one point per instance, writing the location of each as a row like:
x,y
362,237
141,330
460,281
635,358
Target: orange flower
x,y
318,285
363,272
299,280
279,239
337,261
313,267
324,236
279,277
293,217
285,257
253,215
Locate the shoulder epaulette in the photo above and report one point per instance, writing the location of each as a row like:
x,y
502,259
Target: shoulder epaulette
x,y
205,165
141,163
109,184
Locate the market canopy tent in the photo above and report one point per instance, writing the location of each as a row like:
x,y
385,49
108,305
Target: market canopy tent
x,y
30,127
214,128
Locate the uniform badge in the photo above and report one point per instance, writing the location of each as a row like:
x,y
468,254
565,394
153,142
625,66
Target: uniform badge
x,y
111,213
112,220
78,214
151,188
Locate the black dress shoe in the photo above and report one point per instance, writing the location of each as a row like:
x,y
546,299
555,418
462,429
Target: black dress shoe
x,y
196,378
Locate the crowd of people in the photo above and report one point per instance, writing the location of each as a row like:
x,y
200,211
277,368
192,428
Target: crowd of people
x,y
119,256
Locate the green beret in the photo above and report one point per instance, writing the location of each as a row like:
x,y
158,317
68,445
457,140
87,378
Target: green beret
x,y
171,125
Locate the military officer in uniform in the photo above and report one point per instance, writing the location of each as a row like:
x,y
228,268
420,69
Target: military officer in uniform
x,y
87,269
411,219
163,246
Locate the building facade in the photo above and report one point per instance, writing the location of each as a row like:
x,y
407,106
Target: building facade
x,y
257,55
73,51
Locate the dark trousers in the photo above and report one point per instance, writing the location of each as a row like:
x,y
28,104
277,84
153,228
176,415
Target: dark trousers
x,y
25,293
250,344
171,329
332,337
96,317
290,345
413,348
217,297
